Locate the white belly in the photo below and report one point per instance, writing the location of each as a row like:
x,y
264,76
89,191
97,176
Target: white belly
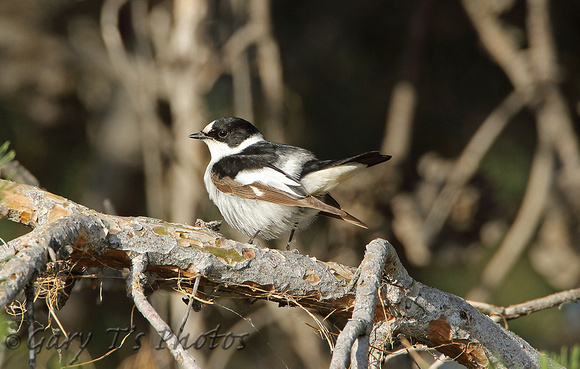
x,y
250,216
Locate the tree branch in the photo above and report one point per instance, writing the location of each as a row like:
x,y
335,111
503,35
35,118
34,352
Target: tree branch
x,y
178,253
500,313
359,326
135,290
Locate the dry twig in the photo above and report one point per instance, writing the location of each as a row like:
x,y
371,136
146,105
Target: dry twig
x,y
500,313
135,283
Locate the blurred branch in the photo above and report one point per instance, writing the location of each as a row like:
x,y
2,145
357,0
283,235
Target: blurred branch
x,y
502,45
500,313
240,69
399,123
525,224
168,65
543,54
16,172
185,81
468,163
400,116
11,169
533,74
257,31
554,254
178,253
407,221
137,76
408,227
169,59
269,68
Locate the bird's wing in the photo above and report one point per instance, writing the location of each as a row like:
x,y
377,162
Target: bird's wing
x,y
321,176
272,164
273,177
278,194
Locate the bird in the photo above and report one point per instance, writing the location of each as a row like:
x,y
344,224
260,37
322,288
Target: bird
x,y
267,188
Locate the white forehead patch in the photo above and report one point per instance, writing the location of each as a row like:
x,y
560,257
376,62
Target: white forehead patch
x,y
208,128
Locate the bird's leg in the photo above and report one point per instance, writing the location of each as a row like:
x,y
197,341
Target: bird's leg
x,y
251,241
291,235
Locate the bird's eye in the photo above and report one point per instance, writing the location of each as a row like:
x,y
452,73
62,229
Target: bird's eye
x,y
223,133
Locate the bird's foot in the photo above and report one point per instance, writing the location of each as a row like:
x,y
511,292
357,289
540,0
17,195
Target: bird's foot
x,y
291,236
251,240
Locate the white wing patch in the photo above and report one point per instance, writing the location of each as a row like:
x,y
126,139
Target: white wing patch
x,y
270,177
323,181
257,191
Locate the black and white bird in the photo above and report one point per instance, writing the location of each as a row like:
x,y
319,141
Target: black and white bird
x,y
268,188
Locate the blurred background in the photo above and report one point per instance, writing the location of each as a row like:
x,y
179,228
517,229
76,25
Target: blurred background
x,y
478,102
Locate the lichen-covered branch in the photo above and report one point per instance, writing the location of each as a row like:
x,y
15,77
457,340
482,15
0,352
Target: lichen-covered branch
x,y
91,239
178,253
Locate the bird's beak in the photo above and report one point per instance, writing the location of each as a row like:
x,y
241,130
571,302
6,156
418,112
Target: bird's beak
x,y
199,135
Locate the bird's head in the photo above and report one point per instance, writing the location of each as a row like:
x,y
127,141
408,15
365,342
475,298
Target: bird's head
x,y
228,136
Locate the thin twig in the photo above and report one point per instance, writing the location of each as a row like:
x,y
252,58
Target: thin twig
x,y
500,313
189,305
135,290
30,324
359,326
